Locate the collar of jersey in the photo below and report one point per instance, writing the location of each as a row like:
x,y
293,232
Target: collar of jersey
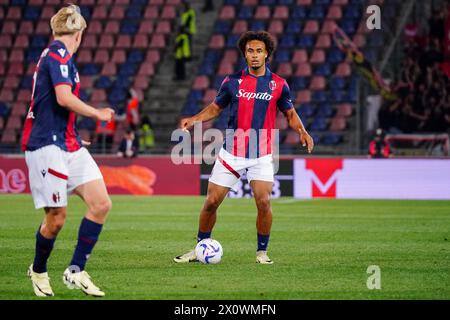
x,y
267,74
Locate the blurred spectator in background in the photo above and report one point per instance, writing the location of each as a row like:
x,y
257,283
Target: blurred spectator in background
x,y
146,137
105,134
189,22
133,110
182,54
208,6
436,26
379,147
129,146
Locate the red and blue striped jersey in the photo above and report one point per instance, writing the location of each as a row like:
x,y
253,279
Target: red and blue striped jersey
x,y
253,103
47,122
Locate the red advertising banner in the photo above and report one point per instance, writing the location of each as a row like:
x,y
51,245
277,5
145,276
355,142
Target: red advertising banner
x,y
139,176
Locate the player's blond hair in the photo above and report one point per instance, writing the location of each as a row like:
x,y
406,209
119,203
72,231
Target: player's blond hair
x,y
67,20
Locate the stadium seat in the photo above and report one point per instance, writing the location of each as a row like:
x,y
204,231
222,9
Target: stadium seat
x,y
24,95
303,70
86,81
230,55
359,40
331,139
225,68
152,56
141,82
98,95
343,70
9,27
3,56
109,69
168,12
16,55
90,41
163,27
281,12
209,96
217,41
146,69
323,41
101,56
319,124
146,27
325,110
103,82
245,12
21,41
317,57
140,41
48,12
334,12
317,83
227,13
117,12
306,110
328,27
14,13
292,138
311,27
15,69
11,82
84,56
285,70
276,27
281,121
300,56
100,12
151,13
344,110
118,56
19,109
200,83
303,96
262,13
158,41
240,26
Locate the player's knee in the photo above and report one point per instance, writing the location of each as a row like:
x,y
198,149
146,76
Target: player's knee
x,y
263,204
212,203
55,221
101,207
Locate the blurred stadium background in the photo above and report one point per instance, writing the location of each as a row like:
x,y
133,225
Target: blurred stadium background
x,y
130,44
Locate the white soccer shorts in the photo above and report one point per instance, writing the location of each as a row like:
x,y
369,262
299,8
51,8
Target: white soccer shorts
x,y
228,169
55,173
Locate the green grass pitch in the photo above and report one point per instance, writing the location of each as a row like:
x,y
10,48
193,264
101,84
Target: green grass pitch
x,y
321,249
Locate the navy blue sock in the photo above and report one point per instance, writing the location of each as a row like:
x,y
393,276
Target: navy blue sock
x,y
87,238
263,241
203,235
44,247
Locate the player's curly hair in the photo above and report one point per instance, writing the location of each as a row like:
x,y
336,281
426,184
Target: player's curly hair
x,y
257,35
67,20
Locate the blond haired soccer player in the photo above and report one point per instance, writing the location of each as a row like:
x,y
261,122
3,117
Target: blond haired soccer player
x,y
58,163
253,96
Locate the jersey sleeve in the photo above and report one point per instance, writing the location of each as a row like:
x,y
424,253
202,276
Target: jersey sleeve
x,y
284,103
59,70
223,98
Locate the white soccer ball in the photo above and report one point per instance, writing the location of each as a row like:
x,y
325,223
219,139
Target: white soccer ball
x,y
209,251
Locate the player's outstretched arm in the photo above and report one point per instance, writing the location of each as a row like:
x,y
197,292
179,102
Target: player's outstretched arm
x,y
67,99
209,112
295,123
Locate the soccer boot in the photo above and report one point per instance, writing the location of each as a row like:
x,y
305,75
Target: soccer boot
x,y
41,283
186,258
262,257
81,280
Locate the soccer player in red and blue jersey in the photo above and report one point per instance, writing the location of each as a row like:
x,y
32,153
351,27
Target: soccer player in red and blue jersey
x,y
58,164
254,95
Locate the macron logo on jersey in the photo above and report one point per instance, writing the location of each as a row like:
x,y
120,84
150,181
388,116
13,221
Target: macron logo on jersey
x,y
254,95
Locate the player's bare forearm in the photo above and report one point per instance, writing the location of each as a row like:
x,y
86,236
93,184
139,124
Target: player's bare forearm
x,y
296,124
208,113
67,99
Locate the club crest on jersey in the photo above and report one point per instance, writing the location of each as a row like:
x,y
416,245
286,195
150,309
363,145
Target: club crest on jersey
x,y
64,70
254,95
62,52
272,85
56,197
